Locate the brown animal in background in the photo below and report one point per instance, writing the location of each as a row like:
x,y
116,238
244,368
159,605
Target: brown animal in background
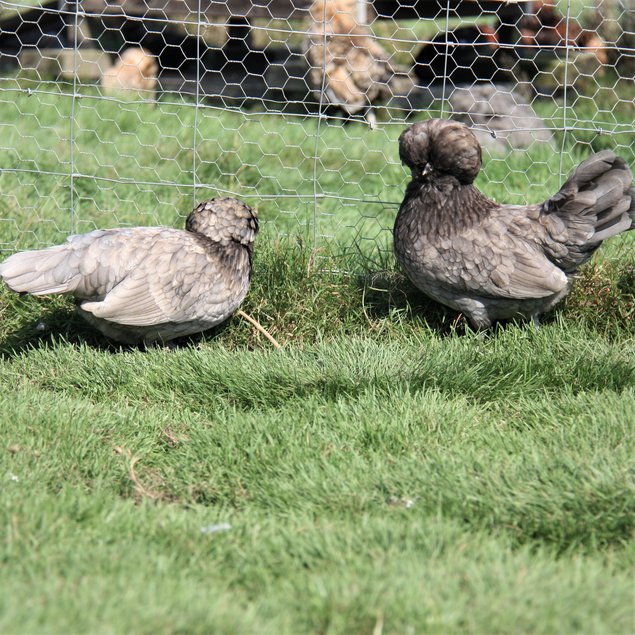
x,y
136,70
494,261
545,26
463,55
355,70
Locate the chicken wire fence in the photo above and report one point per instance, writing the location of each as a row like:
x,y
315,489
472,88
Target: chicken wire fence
x,y
127,112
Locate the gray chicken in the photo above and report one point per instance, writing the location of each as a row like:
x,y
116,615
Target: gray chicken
x,y
149,284
495,261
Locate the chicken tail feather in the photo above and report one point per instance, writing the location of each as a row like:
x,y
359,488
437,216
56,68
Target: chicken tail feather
x,y
596,202
42,272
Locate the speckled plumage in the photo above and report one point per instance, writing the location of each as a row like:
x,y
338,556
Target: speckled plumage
x,y
147,284
495,261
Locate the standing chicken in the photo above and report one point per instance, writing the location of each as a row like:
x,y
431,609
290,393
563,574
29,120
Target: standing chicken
x,y
496,261
352,69
147,284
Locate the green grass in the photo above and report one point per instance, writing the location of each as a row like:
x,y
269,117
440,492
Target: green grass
x,y
269,161
437,484
385,471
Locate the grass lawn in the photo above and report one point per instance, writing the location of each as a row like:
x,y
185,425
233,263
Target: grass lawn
x,y
385,471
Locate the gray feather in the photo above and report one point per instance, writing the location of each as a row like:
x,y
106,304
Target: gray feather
x,y
149,283
39,272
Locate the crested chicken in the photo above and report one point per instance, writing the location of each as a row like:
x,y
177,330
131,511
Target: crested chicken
x,y
494,261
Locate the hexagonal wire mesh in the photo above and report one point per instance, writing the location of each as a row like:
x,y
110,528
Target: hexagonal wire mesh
x,y
126,112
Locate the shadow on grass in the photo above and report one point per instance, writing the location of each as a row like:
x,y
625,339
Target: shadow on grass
x,y
387,294
62,325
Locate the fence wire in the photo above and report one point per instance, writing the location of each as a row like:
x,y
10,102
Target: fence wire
x,y
126,112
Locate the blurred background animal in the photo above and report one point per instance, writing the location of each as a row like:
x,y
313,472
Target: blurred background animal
x,y
614,22
494,261
544,26
473,53
463,55
149,284
134,73
501,119
346,61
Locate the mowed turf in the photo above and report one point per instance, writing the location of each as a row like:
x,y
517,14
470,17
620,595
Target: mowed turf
x,y
430,484
385,471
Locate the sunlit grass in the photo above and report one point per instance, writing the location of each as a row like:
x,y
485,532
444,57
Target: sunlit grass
x,y
386,470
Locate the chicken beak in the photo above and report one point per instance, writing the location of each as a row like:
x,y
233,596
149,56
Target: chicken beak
x,y
418,171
